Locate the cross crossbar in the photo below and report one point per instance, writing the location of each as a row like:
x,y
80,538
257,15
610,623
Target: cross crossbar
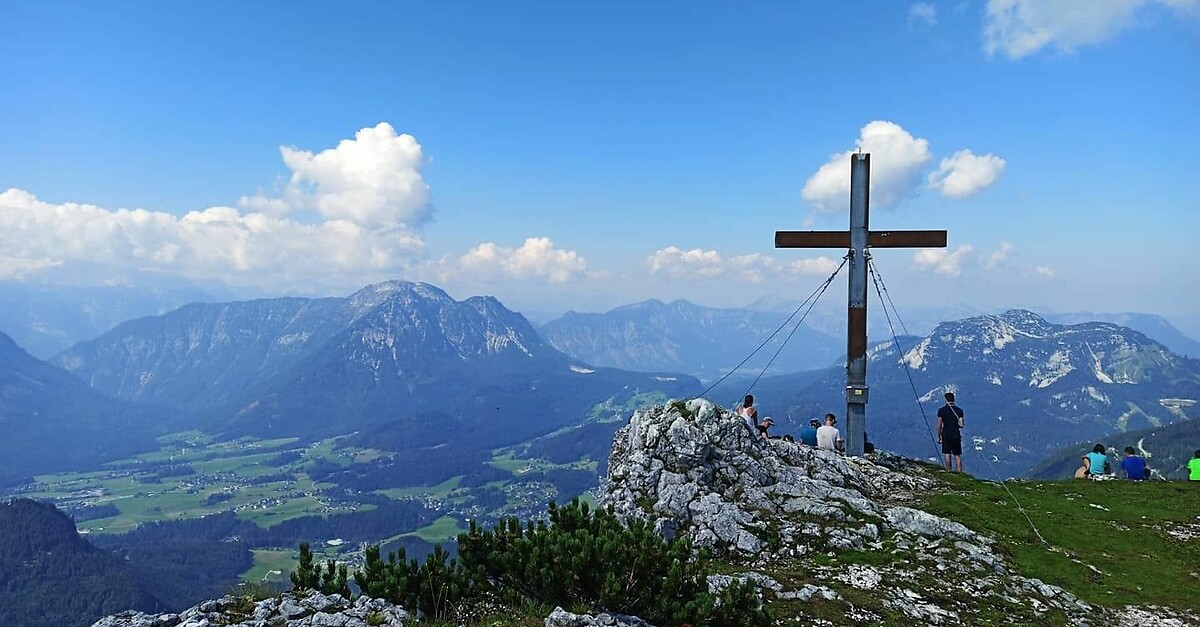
x,y
875,239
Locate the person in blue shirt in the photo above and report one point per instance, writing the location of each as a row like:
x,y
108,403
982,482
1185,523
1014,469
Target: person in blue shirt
x,y
808,435
1133,466
1097,461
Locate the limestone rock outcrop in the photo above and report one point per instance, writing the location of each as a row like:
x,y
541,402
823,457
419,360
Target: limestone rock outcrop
x,y
838,528
312,609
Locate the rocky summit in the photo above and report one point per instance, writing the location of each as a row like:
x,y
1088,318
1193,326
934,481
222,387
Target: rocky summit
x,y
807,522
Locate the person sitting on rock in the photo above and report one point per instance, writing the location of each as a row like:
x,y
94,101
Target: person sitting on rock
x,y
808,435
748,413
828,436
766,424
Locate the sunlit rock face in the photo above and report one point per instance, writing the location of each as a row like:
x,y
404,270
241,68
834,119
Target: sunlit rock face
x,y
781,508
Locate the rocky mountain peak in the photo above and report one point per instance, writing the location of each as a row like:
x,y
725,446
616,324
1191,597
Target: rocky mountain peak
x,y
407,292
1026,321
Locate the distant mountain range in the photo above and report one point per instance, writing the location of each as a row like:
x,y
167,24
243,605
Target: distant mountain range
x,y
46,319
1029,388
397,357
391,352
679,336
51,421
1155,327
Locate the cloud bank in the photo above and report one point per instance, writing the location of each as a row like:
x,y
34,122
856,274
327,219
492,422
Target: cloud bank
x,y
696,263
1019,28
367,196
537,258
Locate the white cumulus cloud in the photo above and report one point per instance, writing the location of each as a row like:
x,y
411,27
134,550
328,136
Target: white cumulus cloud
x,y
537,258
1044,271
678,263
373,180
942,261
753,268
1019,28
817,266
897,161
998,258
922,12
965,174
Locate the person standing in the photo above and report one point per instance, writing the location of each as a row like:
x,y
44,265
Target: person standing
x,y
828,435
1194,468
1133,466
949,432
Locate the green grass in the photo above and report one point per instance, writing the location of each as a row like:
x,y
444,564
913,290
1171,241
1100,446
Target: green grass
x,y
440,530
439,491
1108,541
266,561
295,508
325,450
507,462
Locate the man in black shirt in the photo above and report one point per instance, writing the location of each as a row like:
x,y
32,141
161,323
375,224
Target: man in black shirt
x,y
949,431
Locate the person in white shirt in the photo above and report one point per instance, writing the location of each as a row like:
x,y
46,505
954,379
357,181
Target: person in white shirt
x,y
828,436
749,413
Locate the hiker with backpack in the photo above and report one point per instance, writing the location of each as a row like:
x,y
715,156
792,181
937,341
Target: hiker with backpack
x,y
949,431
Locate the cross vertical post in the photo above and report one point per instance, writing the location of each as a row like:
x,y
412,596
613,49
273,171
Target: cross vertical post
x,y
859,240
856,312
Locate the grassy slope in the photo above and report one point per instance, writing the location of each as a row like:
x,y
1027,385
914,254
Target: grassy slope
x,y
1110,542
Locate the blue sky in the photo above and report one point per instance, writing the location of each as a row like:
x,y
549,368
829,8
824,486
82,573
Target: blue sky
x,y
585,155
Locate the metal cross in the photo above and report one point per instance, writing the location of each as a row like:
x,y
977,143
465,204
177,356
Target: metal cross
x,y
858,239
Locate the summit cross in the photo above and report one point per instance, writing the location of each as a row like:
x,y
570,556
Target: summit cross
x,y
858,239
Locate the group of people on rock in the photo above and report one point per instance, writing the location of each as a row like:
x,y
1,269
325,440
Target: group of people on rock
x,y
828,437
825,436
950,424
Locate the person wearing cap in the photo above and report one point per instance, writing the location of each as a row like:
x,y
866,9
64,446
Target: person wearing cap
x,y
766,424
828,435
808,435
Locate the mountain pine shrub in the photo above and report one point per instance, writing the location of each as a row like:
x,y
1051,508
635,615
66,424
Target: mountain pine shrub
x,y
306,576
309,576
436,586
585,557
